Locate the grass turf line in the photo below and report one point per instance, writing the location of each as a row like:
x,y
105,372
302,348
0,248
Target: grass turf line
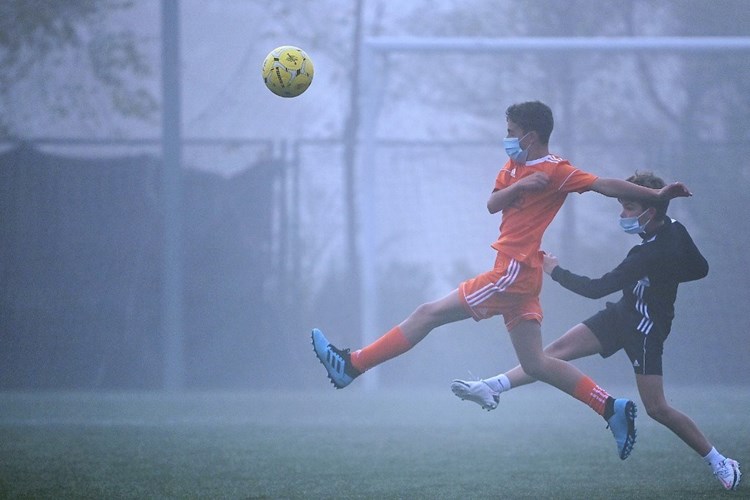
x,y
353,444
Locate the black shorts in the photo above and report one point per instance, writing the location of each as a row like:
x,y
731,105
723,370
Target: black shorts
x,y
616,332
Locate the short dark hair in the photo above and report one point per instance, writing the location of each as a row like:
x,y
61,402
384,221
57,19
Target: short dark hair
x,y
649,180
532,116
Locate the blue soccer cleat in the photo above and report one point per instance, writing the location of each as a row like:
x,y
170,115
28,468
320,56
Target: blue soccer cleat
x,y
337,362
622,425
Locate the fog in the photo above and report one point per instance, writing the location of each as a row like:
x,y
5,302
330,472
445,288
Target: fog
x,y
194,247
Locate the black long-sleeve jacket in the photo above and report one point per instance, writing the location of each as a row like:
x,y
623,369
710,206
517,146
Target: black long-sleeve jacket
x,y
648,277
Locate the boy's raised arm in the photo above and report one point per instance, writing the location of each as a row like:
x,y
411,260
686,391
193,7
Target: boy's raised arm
x,y
618,188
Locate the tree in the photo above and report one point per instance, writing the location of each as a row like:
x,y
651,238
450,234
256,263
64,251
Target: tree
x,y
68,61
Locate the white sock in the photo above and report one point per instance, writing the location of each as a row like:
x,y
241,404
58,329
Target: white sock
x,y
499,383
714,458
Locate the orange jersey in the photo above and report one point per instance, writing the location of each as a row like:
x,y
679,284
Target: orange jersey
x,y
525,221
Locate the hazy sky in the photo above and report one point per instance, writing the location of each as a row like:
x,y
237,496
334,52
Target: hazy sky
x,y
429,198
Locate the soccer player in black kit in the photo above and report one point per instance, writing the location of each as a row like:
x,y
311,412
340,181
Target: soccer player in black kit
x,y
639,322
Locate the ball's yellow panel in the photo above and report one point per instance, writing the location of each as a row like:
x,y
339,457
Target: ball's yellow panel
x,y
287,71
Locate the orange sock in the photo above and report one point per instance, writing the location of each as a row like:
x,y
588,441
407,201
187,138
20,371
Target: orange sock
x,y
587,391
386,347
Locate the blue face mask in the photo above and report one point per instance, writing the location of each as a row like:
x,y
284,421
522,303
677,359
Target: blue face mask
x,y
514,150
631,225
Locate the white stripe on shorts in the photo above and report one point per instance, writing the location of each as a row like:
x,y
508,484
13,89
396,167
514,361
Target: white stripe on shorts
x,y
501,285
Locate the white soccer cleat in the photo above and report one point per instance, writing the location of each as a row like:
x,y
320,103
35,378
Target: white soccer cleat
x,y
729,474
477,391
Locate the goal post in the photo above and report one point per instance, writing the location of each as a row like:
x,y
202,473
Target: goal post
x,y
551,44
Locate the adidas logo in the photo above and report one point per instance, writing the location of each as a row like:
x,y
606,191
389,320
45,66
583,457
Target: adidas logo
x,y
636,364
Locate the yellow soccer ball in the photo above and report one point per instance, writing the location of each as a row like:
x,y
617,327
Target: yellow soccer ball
x,y
287,71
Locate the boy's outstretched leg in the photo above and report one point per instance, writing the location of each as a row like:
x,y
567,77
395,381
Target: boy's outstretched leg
x,y
578,342
526,337
651,388
343,366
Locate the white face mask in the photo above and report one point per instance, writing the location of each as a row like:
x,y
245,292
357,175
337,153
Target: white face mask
x,y
631,225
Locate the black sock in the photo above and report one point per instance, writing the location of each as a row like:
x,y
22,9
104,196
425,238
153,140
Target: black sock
x,y
609,408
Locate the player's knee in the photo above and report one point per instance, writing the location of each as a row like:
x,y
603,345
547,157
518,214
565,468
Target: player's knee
x,y
558,349
534,367
426,314
658,411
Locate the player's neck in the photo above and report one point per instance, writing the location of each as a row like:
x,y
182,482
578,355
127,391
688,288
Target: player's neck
x,y
537,151
652,228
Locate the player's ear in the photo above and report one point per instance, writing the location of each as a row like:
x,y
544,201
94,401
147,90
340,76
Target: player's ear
x,y
529,138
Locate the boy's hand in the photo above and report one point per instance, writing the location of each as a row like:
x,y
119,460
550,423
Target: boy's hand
x,y
534,182
550,263
674,190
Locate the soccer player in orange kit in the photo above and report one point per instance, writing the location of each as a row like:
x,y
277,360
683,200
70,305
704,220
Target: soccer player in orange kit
x,y
529,191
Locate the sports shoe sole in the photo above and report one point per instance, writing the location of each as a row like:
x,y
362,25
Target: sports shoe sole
x,y
736,476
630,413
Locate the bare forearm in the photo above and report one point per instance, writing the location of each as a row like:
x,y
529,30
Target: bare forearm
x,y
502,198
618,188
507,196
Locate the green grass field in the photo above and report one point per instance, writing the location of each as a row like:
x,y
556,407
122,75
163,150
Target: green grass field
x,y
353,444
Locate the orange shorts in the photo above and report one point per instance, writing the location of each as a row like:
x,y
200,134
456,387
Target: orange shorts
x,y
511,289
